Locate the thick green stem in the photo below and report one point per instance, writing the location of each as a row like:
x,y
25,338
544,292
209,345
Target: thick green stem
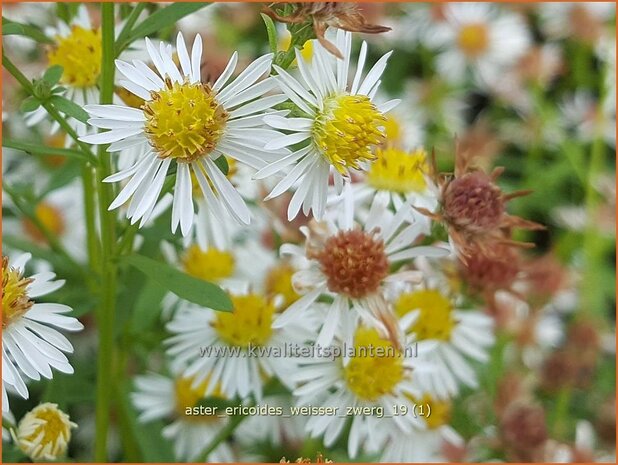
x,y
107,310
90,216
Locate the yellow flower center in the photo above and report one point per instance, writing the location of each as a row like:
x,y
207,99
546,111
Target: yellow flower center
x,y
436,314
210,265
347,129
79,54
248,324
44,432
184,121
439,411
50,217
188,396
279,282
393,129
399,171
473,39
15,300
376,368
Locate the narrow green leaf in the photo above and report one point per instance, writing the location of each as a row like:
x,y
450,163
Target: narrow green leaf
x,y
29,104
163,18
53,74
69,108
271,30
14,28
148,305
184,286
44,150
222,164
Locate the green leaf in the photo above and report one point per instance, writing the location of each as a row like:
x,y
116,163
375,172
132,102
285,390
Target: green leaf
x,y
271,30
45,150
163,18
26,30
29,104
53,74
69,108
222,164
184,286
148,305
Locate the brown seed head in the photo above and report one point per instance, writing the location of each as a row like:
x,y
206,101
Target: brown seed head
x,y
473,203
524,429
354,262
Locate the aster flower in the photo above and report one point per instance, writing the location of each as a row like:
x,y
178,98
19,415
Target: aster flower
x,y
159,397
425,445
350,263
372,372
187,124
243,344
31,346
44,433
473,208
344,15
459,333
396,177
341,127
478,36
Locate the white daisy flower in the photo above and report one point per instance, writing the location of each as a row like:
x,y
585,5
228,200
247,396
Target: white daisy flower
x,y
350,263
31,346
425,445
340,126
77,48
397,177
61,213
480,36
373,377
161,397
461,334
589,119
44,433
186,124
240,348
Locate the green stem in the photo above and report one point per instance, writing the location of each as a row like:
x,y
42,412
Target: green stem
x,y
222,436
128,25
50,237
106,314
44,150
90,215
561,412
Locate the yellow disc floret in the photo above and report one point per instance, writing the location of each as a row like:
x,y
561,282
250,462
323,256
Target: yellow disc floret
x,y
210,265
44,433
49,217
473,39
279,283
435,412
184,121
376,367
188,395
347,129
79,54
248,324
15,300
436,313
399,171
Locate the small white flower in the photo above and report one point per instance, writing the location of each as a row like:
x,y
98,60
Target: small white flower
x,y
44,433
247,347
340,125
371,373
160,397
31,346
350,263
460,334
187,125
480,36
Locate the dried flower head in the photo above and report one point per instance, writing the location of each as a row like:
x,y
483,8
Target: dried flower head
x,y
340,15
524,431
319,459
473,208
